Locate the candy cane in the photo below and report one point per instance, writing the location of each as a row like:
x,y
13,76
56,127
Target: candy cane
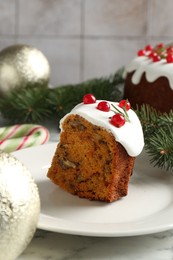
x,y
21,136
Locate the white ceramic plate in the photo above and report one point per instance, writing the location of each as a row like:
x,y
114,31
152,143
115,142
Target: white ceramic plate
x,y
148,208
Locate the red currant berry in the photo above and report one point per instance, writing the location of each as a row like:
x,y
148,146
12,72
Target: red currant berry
x,y
124,104
156,58
160,45
103,106
169,58
141,53
117,120
152,54
169,49
148,47
89,99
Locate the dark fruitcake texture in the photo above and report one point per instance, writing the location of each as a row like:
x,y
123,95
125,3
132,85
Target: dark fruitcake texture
x,y
88,162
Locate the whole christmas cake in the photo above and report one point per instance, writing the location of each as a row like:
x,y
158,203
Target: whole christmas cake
x,y
99,141
149,78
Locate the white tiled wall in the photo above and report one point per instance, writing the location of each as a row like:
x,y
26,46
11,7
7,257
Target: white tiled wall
x,y
84,39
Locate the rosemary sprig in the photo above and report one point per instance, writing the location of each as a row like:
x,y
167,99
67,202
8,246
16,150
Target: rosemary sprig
x,y
125,115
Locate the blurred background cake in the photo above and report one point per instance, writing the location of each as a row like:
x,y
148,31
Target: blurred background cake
x,y
149,78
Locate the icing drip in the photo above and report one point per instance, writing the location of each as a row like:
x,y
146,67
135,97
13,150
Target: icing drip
x,y
152,70
130,135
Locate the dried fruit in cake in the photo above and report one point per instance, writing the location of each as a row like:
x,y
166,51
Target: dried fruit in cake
x,y
95,156
149,78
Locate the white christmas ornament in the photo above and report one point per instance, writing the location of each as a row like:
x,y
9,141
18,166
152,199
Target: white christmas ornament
x,y
19,207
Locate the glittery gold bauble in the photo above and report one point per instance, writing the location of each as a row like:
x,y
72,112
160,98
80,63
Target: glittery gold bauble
x,y
19,207
21,66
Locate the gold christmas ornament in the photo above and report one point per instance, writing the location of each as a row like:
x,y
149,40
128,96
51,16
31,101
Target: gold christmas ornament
x,y
22,66
19,207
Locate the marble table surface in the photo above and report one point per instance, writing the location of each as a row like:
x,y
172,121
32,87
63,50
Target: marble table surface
x,y
47,245
53,246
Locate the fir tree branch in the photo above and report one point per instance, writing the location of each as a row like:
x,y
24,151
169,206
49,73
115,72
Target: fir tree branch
x,y
158,135
25,105
160,148
37,104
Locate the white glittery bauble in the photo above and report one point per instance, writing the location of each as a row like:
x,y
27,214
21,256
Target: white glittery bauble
x,y
21,66
19,207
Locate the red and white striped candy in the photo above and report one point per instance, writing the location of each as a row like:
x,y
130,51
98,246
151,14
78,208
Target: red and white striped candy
x,y
16,137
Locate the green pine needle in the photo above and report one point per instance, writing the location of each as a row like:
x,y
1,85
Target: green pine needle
x,y
158,135
38,104
160,148
25,105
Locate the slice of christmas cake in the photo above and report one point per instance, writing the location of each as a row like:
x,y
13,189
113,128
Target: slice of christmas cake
x,y
99,141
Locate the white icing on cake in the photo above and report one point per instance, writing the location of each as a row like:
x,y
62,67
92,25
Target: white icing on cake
x,y
152,70
130,135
